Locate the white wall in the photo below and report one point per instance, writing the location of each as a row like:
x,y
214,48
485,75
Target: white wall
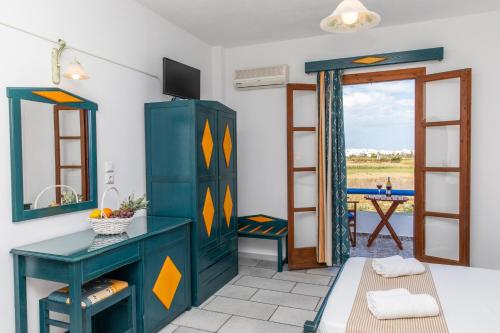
x,y
118,29
470,41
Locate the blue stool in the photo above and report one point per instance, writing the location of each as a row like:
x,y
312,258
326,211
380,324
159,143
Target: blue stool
x,y
46,305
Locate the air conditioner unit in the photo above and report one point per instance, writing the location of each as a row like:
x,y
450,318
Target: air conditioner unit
x,y
265,77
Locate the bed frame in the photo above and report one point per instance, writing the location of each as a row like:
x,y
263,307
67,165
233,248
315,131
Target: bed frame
x,y
312,326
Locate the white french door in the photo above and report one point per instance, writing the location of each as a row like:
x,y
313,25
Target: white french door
x,y
442,167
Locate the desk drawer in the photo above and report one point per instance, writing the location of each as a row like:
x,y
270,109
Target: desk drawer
x,y
110,260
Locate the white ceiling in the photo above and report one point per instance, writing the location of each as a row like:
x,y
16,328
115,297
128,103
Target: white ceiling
x,y
240,22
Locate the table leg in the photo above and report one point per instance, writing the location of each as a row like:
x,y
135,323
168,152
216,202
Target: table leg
x,y
385,222
379,226
394,235
20,301
280,255
75,295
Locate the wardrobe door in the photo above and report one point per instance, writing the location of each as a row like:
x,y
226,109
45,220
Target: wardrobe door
x,y
206,133
227,174
207,155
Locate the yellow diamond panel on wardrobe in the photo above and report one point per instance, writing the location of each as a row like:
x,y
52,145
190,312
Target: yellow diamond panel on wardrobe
x,y
228,206
369,60
207,144
208,212
227,145
167,283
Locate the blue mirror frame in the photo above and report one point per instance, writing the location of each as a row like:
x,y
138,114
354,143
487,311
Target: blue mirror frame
x,y
15,96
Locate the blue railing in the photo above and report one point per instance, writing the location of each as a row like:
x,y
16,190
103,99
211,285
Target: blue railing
x,y
368,191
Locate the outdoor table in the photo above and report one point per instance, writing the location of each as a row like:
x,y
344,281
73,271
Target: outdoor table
x,y
396,200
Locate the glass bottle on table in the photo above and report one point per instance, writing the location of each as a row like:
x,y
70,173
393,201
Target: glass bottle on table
x,y
388,187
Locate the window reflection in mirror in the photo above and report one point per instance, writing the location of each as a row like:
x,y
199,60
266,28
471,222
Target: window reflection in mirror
x,y
55,155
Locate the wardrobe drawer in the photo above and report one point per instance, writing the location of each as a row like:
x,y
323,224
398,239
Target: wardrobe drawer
x,y
208,257
110,261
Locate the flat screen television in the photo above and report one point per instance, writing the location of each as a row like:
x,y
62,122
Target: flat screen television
x,y
180,80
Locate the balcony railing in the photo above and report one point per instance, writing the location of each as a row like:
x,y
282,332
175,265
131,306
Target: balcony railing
x,y
369,191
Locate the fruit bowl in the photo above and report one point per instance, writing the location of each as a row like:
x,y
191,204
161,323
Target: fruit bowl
x,y
105,221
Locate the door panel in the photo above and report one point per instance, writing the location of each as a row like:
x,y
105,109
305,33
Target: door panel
x,y
442,173
227,208
442,237
208,213
227,146
439,108
206,133
442,192
443,146
167,259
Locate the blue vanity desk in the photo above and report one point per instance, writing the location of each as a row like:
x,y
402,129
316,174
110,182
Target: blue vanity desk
x,y
154,250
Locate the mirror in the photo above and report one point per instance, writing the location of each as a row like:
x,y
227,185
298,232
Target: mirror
x,y
53,148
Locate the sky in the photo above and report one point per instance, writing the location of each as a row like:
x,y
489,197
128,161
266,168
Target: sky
x,y
380,115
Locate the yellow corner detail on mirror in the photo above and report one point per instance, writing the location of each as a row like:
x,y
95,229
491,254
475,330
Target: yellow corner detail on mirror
x,y
57,96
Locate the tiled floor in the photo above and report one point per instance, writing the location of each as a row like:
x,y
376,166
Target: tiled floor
x,y
260,299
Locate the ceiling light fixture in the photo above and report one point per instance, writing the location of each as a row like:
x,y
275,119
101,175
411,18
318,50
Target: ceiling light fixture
x,y
350,16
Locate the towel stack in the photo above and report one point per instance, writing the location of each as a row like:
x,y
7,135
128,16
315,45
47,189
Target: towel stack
x,y
400,303
396,266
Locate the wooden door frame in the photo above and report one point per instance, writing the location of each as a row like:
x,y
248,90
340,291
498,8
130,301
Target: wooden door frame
x,y
301,258
84,149
298,258
463,169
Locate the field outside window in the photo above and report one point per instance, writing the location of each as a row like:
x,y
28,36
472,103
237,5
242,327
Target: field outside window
x,y
379,130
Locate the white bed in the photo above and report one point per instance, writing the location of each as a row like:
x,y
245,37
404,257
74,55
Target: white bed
x,y
470,298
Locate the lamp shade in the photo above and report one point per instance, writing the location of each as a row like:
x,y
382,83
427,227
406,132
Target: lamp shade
x,y
350,16
75,71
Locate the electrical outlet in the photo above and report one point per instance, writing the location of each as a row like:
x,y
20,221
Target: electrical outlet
x,y
110,178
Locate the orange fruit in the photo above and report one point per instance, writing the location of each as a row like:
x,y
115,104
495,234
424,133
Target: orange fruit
x,y
107,212
96,214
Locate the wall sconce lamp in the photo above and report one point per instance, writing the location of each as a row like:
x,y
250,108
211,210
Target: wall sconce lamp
x,y
74,71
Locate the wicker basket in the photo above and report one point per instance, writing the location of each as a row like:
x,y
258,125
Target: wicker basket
x,y
109,226
101,241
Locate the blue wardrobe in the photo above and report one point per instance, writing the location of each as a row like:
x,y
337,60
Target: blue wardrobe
x,y
191,172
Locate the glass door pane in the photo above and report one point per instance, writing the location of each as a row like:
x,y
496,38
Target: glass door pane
x,y
442,100
442,192
442,238
442,146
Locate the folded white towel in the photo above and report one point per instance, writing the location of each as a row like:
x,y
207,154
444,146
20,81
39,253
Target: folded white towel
x,y
400,303
396,266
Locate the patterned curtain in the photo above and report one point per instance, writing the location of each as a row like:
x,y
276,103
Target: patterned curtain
x,y
333,227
